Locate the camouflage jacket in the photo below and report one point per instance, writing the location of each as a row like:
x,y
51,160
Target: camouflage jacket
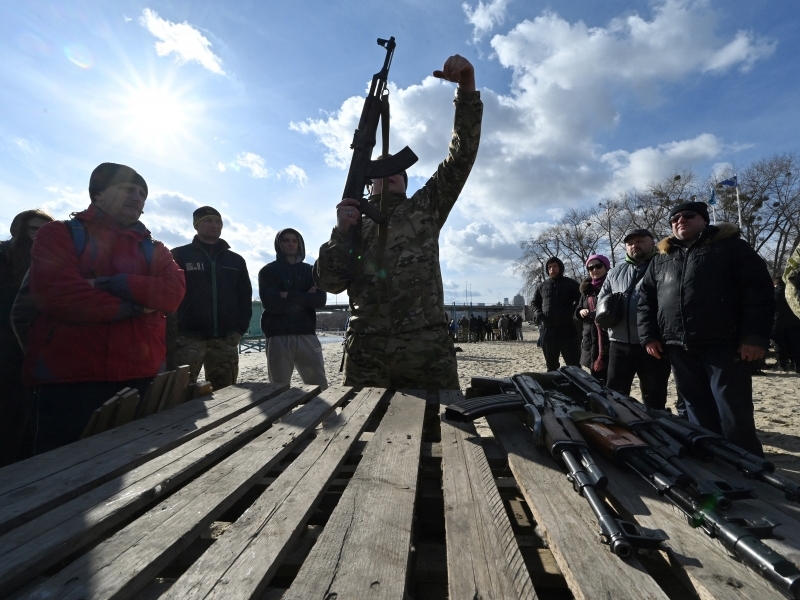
x,y
401,291
791,277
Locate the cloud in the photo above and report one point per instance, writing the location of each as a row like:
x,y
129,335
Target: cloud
x,y
252,162
185,41
294,174
485,17
24,145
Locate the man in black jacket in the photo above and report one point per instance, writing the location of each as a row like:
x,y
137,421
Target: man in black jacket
x,y
553,306
216,310
707,301
289,322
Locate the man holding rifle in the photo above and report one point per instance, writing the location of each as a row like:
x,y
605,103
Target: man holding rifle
x,y
398,330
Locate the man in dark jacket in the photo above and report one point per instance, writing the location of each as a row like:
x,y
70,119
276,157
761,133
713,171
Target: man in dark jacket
x,y
553,307
289,322
785,330
627,358
216,310
707,301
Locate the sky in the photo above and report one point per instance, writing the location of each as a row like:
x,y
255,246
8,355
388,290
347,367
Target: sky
x,y
250,107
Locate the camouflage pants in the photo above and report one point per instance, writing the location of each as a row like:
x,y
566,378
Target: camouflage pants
x,y
419,360
219,357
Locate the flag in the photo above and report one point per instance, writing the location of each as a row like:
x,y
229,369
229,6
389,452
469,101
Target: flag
x,y
732,182
712,201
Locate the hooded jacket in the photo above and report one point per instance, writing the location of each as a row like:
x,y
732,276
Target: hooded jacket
x,y
716,291
296,314
99,332
398,286
555,300
219,295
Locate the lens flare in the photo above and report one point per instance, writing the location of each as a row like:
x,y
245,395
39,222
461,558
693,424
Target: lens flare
x,y
79,55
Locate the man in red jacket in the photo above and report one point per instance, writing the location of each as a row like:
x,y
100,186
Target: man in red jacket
x,y
103,287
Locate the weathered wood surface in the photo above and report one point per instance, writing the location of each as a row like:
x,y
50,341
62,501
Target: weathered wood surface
x,y
126,407
106,414
570,527
241,562
124,564
37,545
152,397
175,389
31,487
364,550
711,571
483,558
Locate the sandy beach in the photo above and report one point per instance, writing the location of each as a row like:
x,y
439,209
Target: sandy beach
x,y
776,396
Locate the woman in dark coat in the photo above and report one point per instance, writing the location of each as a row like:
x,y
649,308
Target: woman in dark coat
x,y
594,343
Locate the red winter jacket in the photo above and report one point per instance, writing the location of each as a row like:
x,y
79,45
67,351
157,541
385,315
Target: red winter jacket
x,y
100,332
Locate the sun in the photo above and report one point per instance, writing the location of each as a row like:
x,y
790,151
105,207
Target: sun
x,y
157,114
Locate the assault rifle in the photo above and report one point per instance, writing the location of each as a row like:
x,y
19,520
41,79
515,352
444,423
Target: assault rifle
x,y
553,429
706,443
740,536
594,396
362,168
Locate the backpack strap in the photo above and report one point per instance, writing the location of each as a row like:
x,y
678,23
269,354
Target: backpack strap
x,y
78,232
148,247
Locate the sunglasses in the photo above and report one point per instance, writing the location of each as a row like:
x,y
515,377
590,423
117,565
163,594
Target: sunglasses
x,y
595,267
687,216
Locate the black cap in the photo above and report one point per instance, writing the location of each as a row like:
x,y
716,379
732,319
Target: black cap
x,y
204,211
637,232
107,174
701,208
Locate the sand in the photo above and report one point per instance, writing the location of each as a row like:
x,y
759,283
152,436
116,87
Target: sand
x,y
776,396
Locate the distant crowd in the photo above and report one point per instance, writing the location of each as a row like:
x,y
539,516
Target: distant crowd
x,y
472,329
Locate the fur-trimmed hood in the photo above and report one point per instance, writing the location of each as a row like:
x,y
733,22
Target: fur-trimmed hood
x,y
710,235
587,288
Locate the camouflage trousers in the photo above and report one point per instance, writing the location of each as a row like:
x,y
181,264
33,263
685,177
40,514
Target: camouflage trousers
x,y
219,357
418,360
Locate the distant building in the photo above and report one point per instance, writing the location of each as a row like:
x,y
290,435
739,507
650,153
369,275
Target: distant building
x,y
505,301
481,303
519,300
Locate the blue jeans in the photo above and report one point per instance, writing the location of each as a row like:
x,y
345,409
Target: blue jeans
x,y
718,390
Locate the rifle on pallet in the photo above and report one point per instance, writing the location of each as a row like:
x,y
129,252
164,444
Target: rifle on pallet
x,y
612,437
554,429
706,443
596,397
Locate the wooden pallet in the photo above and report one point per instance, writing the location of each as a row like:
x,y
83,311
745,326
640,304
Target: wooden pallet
x,y
266,491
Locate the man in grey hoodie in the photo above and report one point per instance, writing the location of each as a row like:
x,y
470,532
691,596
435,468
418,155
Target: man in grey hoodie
x,y
289,321
627,357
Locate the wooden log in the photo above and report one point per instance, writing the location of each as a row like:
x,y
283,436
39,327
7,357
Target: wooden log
x,y
241,563
483,558
105,418
364,549
152,397
570,528
126,407
37,545
124,564
34,486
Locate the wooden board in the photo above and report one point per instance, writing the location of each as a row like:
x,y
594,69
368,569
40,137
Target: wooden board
x,y
177,391
152,397
88,431
125,563
106,415
31,487
570,528
35,546
365,546
483,558
126,407
241,562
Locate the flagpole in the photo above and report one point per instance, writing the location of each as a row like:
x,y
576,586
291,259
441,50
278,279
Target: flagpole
x,y
739,206
714,212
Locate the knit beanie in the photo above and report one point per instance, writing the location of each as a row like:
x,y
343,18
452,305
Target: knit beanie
x,y
108,174
203,212
701,208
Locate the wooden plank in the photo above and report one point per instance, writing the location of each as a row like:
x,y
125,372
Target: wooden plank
x,y
483,558
190,392
35,546
203,388
31,487
710,570
570,528
105,418
126,408
178,390
242,562
88,431
152,396
124,564
364,548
